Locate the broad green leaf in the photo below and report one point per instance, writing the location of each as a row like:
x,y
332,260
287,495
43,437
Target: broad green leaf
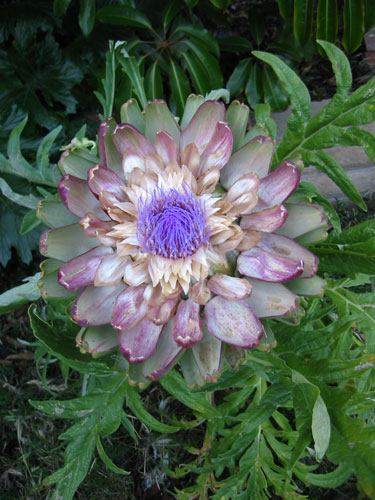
x,y
321,428
136,405
254,85
170,12
303,20
221,4
327,21
369,6
203,35
20,295
239,77
234,44
60,7
197,72
305,396
153,82
273,92
86,17
123,15
256,25
353,25
286,8
180,86
208,60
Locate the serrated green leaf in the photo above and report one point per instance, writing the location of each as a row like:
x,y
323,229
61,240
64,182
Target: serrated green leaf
x,y
353,25
263,119
329,165
29,222
19,295
107,461
108,83
69,477
63,346
299,97
131,68
135,404
331,479
340,66
96,415
357,306
42,155
303,20
10,224
177,387
28,201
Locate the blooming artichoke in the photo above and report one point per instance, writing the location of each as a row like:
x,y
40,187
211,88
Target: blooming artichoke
x,y
178,240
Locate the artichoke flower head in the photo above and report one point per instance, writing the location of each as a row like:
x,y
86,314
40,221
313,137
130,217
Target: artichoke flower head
x,y
179,241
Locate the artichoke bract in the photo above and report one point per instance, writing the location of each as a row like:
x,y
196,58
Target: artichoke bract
x,y
179,239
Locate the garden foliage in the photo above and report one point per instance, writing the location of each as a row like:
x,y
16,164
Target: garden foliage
x,y
299,412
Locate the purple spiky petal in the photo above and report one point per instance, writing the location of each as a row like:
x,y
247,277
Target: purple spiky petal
x,y
173,224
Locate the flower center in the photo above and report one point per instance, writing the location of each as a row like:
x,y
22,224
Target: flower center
x,y
173,224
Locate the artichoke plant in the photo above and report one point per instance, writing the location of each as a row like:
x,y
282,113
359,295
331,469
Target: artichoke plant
x,y
179,240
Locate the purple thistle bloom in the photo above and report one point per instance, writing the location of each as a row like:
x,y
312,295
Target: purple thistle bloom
x,y
180,241
172,225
